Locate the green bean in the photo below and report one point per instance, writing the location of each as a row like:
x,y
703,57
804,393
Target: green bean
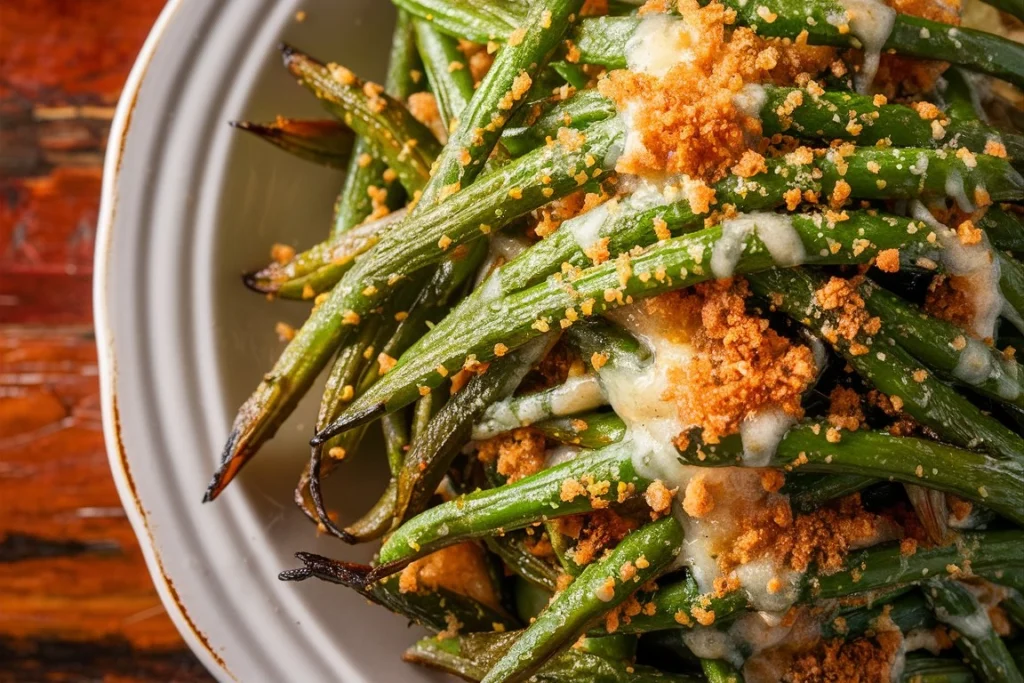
x,y
478,324
994,482
452,86
886,566
907,612
601,587
323,142
432,454
1011,283
925,669
944,347
477,20
1003,228
407,145
470,656
513,506
849,116
810,491
720,671
595,430
404,248
511,549
891,369
498,96
431,609
318,269
579,111
984,650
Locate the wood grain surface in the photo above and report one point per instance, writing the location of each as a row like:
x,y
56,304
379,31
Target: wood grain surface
x,y
76,601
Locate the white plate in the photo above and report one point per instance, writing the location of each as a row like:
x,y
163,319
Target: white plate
x,y
188,205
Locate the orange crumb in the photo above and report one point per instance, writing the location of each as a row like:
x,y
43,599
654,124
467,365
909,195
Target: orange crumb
x,y
995,148
460,568
888,260
845,410
698,501
967,233
282,253
659,497
423,107
519,453
285,332
740,364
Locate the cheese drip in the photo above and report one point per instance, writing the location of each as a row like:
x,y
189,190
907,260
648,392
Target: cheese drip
x,y
638,395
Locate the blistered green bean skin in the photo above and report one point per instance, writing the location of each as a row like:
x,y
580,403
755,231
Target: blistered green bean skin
x,y
493,320
985,651
599,588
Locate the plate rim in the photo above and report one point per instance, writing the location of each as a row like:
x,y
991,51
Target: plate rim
x,y
117,458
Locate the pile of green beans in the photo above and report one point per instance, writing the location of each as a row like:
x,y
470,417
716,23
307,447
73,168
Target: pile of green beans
x,y
439,318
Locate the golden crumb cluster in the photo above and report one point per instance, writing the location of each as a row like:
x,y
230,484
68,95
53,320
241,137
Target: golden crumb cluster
x,y
741,365
845,410
687,122
460,568
841,297
593,532
862,660
518,453
949,298
423,107
823,537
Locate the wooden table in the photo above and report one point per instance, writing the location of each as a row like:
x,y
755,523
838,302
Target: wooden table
x,y
76,602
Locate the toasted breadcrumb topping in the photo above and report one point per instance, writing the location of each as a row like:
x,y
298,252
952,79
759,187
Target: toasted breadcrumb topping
x,y
845,409
518,453
862,660
840,296
423,107
687,121
460,568
823,537
593,532
740,366
949,298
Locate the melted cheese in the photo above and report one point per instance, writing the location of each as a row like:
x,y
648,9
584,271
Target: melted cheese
x,y
977,264
576,395
871,23
659,43
761,433
750,100
638,396
775,230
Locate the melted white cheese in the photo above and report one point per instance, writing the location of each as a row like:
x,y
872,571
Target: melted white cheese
x,y
974,625
576,395
871,22
761,433
977,264
776,231
659,43
955,191
750,100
